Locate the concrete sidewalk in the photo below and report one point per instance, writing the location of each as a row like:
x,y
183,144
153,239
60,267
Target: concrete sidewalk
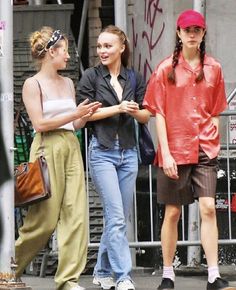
x,y
143,281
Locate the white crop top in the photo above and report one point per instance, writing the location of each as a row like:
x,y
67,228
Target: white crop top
x,y
57,108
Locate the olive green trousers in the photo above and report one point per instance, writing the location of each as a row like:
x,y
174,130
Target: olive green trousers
x,y
65,211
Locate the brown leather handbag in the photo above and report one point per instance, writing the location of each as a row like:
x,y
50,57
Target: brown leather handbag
x,y
32,182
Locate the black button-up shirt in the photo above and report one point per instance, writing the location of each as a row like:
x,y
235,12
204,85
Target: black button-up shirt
x,y
95,85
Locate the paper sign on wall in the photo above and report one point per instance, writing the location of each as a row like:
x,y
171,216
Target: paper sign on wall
x,y
2,28
232,123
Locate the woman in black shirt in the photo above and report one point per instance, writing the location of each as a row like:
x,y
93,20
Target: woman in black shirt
x,y
113,160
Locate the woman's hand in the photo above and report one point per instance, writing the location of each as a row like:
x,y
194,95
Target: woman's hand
x,y
170,167
128,107
92,110
215,121
86,109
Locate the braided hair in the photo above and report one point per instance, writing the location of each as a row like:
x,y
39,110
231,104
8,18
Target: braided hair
x,y
175,60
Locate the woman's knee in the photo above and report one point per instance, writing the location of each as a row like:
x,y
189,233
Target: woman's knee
x,y
172,213
207,208
115,228
115,221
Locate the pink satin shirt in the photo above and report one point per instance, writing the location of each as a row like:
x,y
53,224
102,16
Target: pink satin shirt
x,y
188,107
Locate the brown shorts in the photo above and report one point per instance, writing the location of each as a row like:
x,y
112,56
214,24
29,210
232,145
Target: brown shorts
x,y
195,180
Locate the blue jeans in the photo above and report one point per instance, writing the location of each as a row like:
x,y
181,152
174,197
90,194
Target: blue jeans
x,y
114,173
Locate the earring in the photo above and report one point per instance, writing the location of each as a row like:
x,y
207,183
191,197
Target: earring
x,y
180,41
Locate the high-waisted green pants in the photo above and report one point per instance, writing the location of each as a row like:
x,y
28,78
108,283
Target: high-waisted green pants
x,y
65,211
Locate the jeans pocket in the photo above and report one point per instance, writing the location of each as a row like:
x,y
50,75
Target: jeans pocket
x,y
96,150
102,148
95,145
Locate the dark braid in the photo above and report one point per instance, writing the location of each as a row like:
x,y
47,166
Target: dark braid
x,y
175,60
200,77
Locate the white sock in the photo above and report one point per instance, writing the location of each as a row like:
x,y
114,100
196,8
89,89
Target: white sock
x,y
168,272
213,273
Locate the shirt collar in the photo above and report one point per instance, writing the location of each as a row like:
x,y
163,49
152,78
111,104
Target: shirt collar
x,y
105,71
207,60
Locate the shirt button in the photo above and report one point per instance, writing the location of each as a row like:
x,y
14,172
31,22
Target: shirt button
x,y
194,98
194,110
194,85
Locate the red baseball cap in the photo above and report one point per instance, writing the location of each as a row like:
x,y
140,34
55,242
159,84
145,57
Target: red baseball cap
x,y
190,18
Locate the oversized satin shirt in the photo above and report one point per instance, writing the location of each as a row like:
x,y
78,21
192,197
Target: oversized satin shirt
x,y
188,108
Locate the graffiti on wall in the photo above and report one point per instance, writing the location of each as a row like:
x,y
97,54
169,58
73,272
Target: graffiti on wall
x,y
145,41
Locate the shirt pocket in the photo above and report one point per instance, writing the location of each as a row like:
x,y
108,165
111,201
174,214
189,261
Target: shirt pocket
x,y
210,77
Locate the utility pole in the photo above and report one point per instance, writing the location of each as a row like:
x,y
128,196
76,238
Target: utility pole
x,y
121,14
83,20
200,6
120,9
7,242
194,252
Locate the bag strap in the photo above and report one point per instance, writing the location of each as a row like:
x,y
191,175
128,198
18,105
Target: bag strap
x,y
41,101
21,106
41,93
133,82
132,78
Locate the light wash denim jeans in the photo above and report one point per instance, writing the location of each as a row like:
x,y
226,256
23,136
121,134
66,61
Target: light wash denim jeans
x,y
114,173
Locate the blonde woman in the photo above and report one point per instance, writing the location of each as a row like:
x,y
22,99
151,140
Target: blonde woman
x,y
49,99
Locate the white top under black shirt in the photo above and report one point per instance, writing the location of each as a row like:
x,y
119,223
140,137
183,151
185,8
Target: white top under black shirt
x,y
95,85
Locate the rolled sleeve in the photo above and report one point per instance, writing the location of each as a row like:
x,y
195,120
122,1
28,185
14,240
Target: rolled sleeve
x,y
219,98
154,99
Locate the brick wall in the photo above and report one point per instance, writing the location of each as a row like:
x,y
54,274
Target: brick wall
x,y
95,26
130,12
130,7
94,23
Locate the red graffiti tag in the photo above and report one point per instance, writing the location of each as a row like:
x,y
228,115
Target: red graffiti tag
x,y
147,38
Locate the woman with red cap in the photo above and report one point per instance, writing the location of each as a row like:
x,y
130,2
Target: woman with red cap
x,y
186,93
